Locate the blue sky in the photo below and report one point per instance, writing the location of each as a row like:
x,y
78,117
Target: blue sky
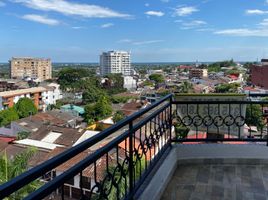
x,y
153,30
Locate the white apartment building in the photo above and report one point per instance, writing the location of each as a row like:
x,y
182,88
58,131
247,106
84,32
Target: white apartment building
x,y
115,62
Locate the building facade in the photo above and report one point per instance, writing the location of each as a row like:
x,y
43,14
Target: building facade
x,y
258,75
198,73
115,62
37,68
41,96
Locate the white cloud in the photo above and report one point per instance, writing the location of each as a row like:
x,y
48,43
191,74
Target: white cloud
x,y
2,4
139,42
155,13
184,11
256,12
71,8
78,27
147,5
108,25
260,31
41,19
147,42
193,24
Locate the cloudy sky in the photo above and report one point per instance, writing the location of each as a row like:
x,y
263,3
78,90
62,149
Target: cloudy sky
x,y
153,30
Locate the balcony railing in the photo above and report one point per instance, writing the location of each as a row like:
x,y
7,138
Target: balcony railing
x,y
128,152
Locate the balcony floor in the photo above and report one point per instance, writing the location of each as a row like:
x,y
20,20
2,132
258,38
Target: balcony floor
x,y
218,181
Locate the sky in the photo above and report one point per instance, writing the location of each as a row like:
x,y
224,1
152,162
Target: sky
x,y
152,30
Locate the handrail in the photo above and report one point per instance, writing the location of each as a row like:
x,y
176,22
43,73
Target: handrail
x,y
18,182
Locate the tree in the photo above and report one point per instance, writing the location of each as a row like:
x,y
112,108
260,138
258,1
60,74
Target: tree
x,y
98,111
186,87
7,116
118,115
114,84
25,107
11,168
158,78
227,88
92,94
254,116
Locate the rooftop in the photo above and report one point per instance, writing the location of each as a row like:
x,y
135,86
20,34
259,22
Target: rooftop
x,y
13,93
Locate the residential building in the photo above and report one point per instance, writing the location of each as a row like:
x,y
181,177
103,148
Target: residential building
x,y
258,74
198,73
9,98
115,62
130,83
37,68
42,96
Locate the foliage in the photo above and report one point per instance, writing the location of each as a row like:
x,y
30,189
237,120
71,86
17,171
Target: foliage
x,y
11,168
25,107
114,84
254,115
157,78
92,94
22,135
118,115
227,88
216,67
7,116
98,111
181,131
100,127
148,83
186,87
72,78
120,99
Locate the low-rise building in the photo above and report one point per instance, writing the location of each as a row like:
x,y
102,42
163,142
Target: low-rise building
x,y
41,96
198,73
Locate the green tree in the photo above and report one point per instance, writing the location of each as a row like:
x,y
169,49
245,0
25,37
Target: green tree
x,y
99,110
118,115
114,84
11,168
92,94
227,88
25,107
158,78
7,116
186,87
254,116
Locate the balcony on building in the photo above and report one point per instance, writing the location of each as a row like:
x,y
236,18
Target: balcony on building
x,y
180,147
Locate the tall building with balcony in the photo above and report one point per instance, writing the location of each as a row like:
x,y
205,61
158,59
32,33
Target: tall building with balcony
x,y
115,62
38,68
198,73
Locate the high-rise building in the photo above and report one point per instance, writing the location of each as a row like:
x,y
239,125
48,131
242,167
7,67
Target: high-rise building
x,y
31,67
115,62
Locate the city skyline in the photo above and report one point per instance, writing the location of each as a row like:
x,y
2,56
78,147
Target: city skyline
x,y
154,31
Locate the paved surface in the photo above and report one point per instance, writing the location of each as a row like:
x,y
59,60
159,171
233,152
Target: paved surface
x,y
218,181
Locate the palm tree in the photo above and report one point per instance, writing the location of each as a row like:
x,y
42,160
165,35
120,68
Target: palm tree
x,y
10,168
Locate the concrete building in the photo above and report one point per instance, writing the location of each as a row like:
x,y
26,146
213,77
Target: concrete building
x,y
130,83
42,96
258,74
115,62
198,73
37,68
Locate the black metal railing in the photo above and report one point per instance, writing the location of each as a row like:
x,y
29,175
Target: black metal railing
x,y
115,170
128,151
219,120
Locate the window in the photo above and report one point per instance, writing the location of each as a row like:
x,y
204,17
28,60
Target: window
x,y
70,182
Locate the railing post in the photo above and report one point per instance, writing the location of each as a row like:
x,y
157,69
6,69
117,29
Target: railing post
x,y
130,142
170,120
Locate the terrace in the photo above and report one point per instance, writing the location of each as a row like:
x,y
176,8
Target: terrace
x,y
210,154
